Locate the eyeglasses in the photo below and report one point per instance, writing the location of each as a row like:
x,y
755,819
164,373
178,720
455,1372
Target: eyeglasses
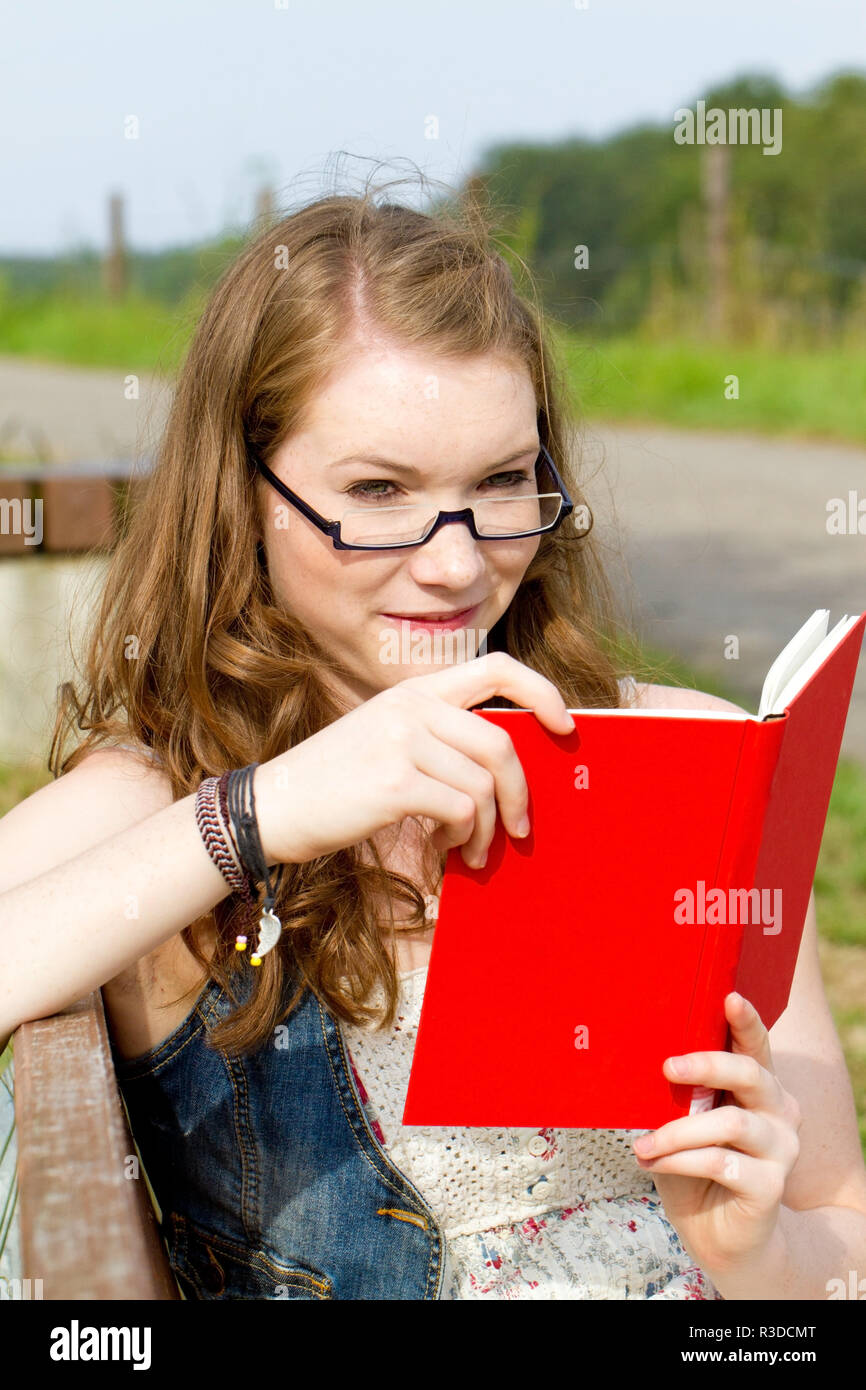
x,y
387,527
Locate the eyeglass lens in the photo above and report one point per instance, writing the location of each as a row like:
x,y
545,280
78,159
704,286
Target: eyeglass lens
x,y
502,516
499,516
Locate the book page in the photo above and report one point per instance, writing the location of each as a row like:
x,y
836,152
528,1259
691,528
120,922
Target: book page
x,y
811,665
801,645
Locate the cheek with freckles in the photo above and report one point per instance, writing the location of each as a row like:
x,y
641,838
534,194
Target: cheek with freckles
x,y
334,595
302,563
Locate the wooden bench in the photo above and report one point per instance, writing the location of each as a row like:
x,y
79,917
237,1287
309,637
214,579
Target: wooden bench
x,y
66,508
88,1228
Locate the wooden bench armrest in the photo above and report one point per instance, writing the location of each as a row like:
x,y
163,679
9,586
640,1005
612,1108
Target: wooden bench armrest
x,y
88,1231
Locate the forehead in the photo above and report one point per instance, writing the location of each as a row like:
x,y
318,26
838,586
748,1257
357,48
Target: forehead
x,y
388,397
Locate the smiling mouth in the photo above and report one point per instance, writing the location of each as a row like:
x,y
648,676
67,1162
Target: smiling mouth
x,y
442,619
431,617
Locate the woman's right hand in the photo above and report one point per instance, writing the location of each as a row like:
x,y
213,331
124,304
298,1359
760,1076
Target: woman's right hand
x,y
415,749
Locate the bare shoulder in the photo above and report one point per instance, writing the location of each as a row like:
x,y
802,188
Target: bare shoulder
x,y
110,790
680,697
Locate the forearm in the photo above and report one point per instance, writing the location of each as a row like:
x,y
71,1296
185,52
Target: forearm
x,y
808,1251
81,923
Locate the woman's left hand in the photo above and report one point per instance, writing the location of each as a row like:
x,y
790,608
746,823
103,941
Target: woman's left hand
x,y
721,1174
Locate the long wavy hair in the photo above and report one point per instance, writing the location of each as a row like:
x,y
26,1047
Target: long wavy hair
x,y
220,675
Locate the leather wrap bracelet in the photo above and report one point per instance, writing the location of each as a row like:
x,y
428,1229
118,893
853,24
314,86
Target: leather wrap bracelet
x,y
225,813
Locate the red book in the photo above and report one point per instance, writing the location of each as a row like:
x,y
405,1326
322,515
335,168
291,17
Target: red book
x,y
670,861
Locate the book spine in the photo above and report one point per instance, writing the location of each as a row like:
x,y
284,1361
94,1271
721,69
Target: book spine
x,y
738,857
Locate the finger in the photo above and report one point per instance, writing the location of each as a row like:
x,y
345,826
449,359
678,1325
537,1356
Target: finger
x,y
452,810
743,1076
748,1034
758,1179
487,746
447,764
749,1131
469,683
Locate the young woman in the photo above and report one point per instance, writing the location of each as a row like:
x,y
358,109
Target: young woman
x,y
367,365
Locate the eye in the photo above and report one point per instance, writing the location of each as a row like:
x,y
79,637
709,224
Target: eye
x,y
361,492
513,478
383,490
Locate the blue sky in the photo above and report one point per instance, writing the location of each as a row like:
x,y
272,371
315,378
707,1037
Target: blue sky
x,y
231,92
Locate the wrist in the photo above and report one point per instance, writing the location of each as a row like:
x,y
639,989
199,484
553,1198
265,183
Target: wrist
x,y
270,816
759,1275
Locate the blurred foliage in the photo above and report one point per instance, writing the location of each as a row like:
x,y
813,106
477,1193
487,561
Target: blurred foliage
x,y
168,276
635,199
797,219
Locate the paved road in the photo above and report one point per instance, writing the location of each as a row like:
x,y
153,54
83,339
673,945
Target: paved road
x,y
76,413
721,534
726,534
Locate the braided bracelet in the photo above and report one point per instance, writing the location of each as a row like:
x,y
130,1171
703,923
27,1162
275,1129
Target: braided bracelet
x,y
213,832
234,844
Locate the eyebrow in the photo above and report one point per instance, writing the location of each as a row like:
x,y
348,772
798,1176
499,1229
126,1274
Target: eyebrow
x,y
376,461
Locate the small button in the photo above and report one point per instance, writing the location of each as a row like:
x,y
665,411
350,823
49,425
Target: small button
x,y
537,1145
542,1188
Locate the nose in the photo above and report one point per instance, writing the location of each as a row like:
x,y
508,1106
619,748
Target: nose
x,y
451,558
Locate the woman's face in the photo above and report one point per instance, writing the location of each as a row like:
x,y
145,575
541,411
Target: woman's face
x,y
446,427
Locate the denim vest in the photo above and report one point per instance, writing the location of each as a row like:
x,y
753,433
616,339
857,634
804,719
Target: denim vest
x,y
269,1177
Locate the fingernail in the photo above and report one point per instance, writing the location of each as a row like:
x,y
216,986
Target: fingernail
x,y
523,827
482,861
679,1066
645,1144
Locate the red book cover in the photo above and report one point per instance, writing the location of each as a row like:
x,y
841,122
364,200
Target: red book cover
x,y
565,971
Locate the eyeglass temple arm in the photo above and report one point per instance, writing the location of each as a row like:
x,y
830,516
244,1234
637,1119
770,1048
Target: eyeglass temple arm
x,y
329,527
567,504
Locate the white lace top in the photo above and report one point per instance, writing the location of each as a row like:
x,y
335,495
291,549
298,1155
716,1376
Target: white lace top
x,y
526,1213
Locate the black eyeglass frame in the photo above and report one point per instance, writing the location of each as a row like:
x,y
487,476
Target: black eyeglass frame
x,y
332,528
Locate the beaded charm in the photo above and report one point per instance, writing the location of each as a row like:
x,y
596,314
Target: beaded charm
x,y
240,943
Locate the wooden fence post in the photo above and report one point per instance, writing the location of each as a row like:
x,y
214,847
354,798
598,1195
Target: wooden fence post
x,y
716,171
115,266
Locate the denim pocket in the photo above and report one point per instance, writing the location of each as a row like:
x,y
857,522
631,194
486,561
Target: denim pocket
x,y
211,1266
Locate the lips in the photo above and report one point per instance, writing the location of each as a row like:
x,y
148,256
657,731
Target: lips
x,y
430,617
443,618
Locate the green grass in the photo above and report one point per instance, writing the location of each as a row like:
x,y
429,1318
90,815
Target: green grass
x,y
840,878
136,334
819,394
